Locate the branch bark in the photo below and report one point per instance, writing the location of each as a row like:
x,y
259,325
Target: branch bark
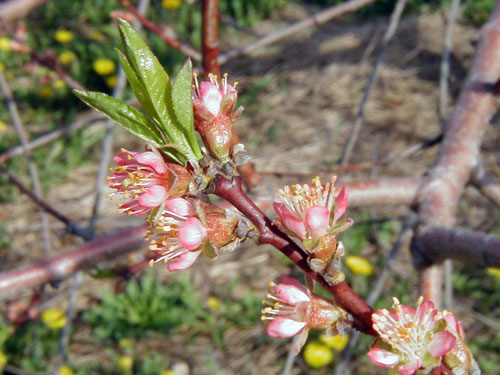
x,y
439,194
65,265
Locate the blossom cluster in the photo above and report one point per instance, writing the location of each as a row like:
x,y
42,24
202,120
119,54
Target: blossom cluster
x,y
420,339
292,309
181,227
312,214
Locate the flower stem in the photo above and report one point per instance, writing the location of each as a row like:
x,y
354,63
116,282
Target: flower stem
x,y
270,234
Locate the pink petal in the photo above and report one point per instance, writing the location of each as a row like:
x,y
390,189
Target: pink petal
x,y
300,341
153,197
410,368
291,294
289,220
192,233
291,281
425,309
340,204
211,97
442,343
180,206
125,157
282,327
451,321
317,220
383,357
153,160
186,260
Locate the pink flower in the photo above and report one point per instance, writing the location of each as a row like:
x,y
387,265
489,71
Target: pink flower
x,y
459,359
213,106
143,179
311,211
294,310
410,339
177,235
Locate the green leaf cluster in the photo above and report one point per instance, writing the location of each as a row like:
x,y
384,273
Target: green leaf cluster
x,y
146,305
168,119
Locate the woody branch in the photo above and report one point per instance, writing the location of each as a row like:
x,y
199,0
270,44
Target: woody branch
x,y
441,190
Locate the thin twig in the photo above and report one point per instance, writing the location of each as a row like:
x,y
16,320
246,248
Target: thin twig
x,y
392,157
391,30
486,184
290,357
343,367
445,62
186,50
71,226
317,19
23,136
231,22
107,142
70,312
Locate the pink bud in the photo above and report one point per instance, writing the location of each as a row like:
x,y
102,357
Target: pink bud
x,y
192,233
340,204
211,97
317,220
180,206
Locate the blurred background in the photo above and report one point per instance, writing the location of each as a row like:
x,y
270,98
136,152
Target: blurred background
x,y
301,95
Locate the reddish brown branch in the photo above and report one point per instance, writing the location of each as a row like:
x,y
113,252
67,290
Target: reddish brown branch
x,y
16,9
270,234
64,265
210,37
186,50
439,195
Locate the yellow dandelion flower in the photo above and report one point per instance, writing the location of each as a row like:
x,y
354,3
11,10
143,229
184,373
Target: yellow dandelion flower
x,y
96,35
3,127
126,363
493,271
213,303
111,81
65,370
168,372
317,355
64,36
171,4
58,84
3,360
45,92
67,57
54,318
358,265
337,342
104,67
125,343
5,43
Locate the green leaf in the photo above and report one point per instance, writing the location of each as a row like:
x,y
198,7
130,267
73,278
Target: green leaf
x,y
152,87
124,114
183,103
